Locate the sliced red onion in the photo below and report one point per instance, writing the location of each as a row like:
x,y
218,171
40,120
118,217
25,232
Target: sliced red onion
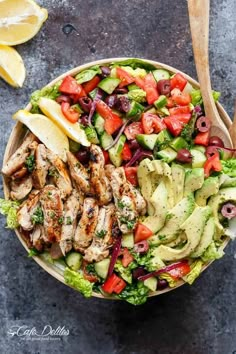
x,y
141,247
228,210
97,97
118,135
198,111
163,270
114,256
140,153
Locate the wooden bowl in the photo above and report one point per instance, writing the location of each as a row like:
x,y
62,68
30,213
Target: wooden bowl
x,y
17,136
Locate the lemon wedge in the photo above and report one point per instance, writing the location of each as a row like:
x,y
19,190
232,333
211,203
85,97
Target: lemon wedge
x,y
46,131
12,68
53,111
20,20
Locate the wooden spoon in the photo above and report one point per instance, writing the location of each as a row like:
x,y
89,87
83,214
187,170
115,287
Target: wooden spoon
x,y
232,129
199,23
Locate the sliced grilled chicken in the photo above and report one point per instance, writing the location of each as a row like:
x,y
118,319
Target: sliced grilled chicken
x,y
99,182
60,174
41,167
72,207
108,170
78,173
102,238
86,226
128,200
21,188
52,207
27,209
37,237
17,160
22,172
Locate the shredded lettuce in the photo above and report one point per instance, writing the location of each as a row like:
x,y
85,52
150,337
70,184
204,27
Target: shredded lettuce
x,y
196,268
9,209
172,283
77,281
135,294
212,253
49,92
125,272
229,167
197,97
135,63
87,75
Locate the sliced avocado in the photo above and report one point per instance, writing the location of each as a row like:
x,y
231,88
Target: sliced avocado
x,y
194,179
178,175
115,153
101,268
163,172
147,141
167,155
193,227
109,84
144,170
137,95
228,182
181,238
206,239
198,158
174,220
151,283
210,187
178,143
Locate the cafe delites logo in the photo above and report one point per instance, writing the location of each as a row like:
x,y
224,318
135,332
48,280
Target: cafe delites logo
x,y
46,332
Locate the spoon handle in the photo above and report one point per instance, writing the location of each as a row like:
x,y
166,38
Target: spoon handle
x,y
232,129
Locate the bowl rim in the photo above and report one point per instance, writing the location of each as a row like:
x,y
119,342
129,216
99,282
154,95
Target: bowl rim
x,y
17,131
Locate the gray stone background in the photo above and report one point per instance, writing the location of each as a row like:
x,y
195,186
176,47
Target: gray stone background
x,y
191,320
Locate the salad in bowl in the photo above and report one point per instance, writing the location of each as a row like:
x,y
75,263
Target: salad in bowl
x,y
114,183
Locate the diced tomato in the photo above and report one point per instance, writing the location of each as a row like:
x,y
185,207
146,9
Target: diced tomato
x,y
70,114
179,110
133,129
139,82
125,77
127,257
178,81
114,284
212,164
92,84
106,157
75,98
150,86
180,271
126,152
170,102
173,125
131,175
152,123
180,98
182,117
70,86
202,138
142,232
112,120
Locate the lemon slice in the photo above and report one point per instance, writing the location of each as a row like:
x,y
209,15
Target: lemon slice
x,y
46,131
12,68
20,20
53,111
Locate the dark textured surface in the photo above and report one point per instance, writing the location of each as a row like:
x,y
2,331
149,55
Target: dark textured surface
x,y
192,320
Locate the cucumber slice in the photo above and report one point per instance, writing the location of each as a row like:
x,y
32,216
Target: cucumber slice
x,y
115,153
161,74
147,141
133,87
136,109
106,140
127,241
163,137
74,146
109,84
91,135
167,155
198,158
151,283
200,148
179,143
160,102
101,268
74,260
99,123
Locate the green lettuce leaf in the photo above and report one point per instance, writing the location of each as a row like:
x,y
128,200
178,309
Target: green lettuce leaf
x,y
9,209
49,92
135,294
138,95
77,281
212,253
172,283
197,97
196,268
125,272
135,63
87,75
150,261
229,167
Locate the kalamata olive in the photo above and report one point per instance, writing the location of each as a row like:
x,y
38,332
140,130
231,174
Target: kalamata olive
x,y
111,100
63,98
203,124
138,272
133,144
121,90
123,104
215,140
162,284
141,247
83,155
163,87
228,210
105,71
211,150
184,156
83,119
85,103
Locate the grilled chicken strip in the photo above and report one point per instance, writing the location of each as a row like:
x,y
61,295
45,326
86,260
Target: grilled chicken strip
x,y
21,188
26,211
60,174
72,207
78,173
37,237
52,207
108,170
22,172
41,167
17,160
98,180
102,238
86,226
128,200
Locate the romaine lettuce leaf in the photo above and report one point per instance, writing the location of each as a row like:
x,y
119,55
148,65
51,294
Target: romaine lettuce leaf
x,y
172,283
196,268
87,75
49,92
135,294
135,63
77,281
229,167
212,253
125,272
9,209
197,97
